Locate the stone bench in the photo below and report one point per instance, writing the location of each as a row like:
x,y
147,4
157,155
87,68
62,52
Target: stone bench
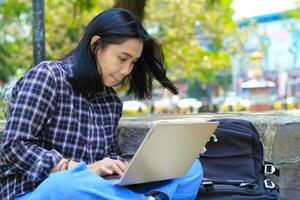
x,y
280,132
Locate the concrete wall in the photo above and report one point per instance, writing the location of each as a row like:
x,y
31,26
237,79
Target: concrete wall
x,y
280,132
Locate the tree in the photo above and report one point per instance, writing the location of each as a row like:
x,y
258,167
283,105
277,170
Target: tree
x,y
135,6
64,29
183,27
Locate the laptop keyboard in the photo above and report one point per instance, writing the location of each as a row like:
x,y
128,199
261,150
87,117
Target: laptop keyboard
x,y
111,177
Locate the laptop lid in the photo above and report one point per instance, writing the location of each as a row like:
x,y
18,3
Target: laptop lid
x,y
167,151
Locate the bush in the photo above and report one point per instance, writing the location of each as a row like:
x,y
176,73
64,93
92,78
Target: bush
x,y
4,103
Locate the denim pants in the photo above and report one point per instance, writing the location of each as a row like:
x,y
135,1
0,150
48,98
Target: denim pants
x,y
81,183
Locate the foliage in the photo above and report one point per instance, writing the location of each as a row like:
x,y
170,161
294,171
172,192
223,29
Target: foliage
x,y
295,13
64,24
4,104
180,25
195,89
192,32
68,25
15,36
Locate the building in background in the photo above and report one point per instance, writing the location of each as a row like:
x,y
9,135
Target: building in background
x,y
277,37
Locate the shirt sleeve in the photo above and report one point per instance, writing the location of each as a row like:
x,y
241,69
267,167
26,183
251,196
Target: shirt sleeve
x,y
33,101
113,154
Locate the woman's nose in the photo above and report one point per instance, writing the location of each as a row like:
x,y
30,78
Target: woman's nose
x,y
126,69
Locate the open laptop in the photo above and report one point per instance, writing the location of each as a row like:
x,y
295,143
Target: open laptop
x,y
167,151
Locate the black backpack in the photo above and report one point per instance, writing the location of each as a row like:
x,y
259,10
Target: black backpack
x,y
233,164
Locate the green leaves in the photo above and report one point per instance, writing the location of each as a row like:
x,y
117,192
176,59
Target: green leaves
x,y
15,22
192,34
4,103
65,22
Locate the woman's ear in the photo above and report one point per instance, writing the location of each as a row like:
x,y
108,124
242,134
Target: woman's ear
x,y
94,39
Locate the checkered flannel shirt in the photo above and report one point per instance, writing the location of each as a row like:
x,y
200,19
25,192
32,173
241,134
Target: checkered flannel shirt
x,y
48,121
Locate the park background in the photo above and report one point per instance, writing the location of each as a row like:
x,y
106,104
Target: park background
x,y
223,55
229,58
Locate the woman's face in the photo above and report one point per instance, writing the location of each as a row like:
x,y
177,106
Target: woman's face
x,y
116,61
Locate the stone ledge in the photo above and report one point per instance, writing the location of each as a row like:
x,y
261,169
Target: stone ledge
x,y
280,132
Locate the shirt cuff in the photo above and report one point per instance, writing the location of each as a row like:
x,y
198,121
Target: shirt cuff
x,y
41,169
115,156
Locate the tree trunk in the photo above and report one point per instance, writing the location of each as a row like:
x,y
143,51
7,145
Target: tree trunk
x,y
38,31
135,6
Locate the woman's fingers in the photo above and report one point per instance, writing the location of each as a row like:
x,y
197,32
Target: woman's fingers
x,y
108,166
122,165
117,169
105,171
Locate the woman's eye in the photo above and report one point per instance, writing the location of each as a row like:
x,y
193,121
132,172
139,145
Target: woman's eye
x,y
122,59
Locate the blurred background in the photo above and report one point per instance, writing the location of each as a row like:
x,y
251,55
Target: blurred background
x,y
223,55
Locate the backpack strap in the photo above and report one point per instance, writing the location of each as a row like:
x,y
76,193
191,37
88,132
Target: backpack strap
x,y
269,168
208,185
248,186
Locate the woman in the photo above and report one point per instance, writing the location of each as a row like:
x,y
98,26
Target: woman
x,y
60,134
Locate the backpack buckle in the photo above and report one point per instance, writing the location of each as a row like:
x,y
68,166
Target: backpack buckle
x,y
270,169
269,184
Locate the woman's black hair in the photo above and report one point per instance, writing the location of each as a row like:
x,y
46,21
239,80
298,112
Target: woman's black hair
x,y
114,26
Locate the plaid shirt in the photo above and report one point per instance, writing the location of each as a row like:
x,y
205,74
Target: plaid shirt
x,y
49,121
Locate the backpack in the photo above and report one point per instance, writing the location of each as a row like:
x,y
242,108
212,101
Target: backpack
x,y
233,165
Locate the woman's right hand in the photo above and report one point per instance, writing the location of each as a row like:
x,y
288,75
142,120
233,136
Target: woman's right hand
x,y
108,166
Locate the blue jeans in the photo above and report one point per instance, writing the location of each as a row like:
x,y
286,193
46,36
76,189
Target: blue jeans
x,y
81,183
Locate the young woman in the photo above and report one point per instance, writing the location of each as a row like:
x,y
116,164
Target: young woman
x,y
60,134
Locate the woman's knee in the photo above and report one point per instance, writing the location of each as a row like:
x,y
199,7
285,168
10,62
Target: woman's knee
x,y
187,186
195,171
193,178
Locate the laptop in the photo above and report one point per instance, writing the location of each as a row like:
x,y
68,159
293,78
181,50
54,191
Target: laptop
x,y
167,151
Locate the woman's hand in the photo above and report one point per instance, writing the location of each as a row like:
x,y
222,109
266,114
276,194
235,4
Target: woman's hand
x,y
108,166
